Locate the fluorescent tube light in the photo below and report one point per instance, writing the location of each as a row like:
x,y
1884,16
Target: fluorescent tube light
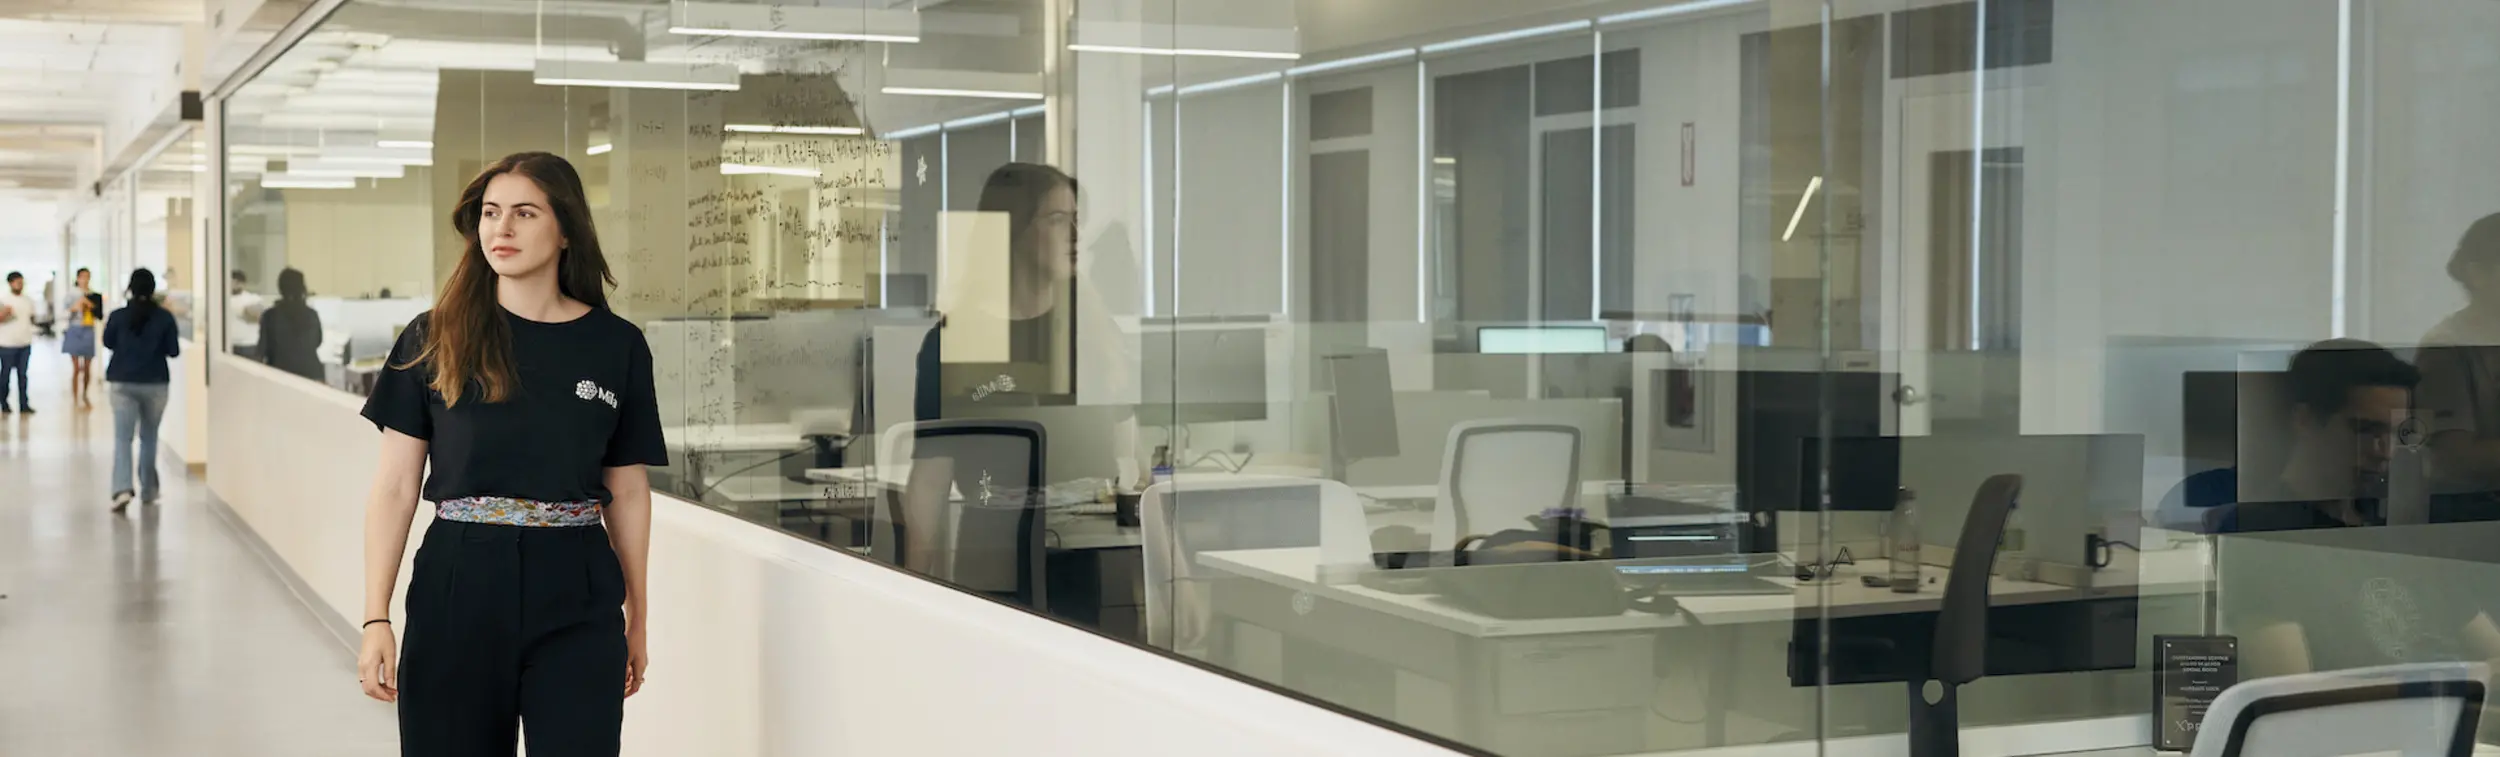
x,y
1508,36
601,148
358,170
916,131
960,83
1800,214
1186,52
839,131
636,74
777,34
1028,111
380,155
1354,62
792,22
1671,11
405,144
741,169
948,92
274,181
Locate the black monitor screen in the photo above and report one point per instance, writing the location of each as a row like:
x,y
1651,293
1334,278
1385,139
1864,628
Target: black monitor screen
x,y
1778,410
1865,473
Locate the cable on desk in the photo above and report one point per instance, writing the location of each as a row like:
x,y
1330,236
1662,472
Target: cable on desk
x,y
707,488
2099,551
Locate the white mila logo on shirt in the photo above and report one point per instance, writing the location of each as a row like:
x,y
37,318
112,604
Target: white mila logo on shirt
x,y
590,391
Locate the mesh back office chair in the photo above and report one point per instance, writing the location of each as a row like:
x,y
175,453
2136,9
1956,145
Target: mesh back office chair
x,y
979,484
1497,473
1178,520
2414,710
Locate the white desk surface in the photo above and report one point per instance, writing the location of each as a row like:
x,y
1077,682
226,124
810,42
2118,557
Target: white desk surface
x,y
2173,572
1083,532
741,437
768,489
1592,493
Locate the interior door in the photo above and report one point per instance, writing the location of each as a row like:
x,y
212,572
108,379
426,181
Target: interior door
x,y
1955,249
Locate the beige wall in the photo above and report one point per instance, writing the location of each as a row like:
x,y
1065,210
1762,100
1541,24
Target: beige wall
x,y
352,242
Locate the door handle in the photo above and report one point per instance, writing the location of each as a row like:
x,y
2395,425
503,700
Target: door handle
x,y
1907,395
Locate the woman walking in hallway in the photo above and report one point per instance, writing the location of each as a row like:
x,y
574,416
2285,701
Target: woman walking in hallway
x,y
141,336
78,342
534,404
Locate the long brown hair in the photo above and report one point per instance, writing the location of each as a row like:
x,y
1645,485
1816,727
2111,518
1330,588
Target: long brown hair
x,y
466,338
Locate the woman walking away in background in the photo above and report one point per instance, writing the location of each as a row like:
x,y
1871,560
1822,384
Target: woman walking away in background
x,y
78,342
535,405
141,336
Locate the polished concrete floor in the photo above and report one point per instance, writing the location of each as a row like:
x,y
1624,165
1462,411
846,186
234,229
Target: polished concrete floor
x,y
156,633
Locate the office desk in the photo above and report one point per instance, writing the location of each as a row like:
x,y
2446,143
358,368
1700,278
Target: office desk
x,y
1550,686
698,443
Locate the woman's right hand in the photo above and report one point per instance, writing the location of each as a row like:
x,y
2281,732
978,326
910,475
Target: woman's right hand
x,y
377,667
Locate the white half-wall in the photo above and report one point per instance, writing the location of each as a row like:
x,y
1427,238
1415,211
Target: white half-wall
x,y
763,644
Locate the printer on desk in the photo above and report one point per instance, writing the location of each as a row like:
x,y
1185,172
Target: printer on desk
x,y
1653,521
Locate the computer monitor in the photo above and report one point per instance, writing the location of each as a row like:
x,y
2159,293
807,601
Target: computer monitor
x,y
1776,412
1865,474
1542,340
1203,375
1363,416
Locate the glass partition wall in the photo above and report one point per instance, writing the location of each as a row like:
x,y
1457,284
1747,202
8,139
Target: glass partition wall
x,y
1547,377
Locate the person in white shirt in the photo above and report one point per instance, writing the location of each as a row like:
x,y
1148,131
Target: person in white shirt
x,y
17,342
243,309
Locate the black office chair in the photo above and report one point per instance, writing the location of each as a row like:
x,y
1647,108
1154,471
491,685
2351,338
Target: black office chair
x,y
1961,652
992,532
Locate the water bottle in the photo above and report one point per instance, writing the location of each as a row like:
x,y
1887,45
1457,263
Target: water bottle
x,y
1902,533
1162,471
2014,561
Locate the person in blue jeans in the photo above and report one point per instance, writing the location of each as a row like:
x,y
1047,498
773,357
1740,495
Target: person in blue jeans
x,y
17,340
141,336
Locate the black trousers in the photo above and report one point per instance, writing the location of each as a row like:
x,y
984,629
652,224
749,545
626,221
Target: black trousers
x,y
510,625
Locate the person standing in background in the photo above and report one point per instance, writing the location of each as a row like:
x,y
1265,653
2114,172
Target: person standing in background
x,y
290,332
141,336
78,342
17,342
243,311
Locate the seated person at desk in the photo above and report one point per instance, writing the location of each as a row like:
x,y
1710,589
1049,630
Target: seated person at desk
x,y
2367,607
2345,396
290,331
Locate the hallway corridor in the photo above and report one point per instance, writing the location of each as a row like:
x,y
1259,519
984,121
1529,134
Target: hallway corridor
x,y
157,633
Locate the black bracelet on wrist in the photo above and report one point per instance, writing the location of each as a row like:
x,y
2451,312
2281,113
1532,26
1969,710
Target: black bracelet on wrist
x,y
369,623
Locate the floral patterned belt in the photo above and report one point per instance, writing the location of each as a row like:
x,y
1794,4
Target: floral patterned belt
x,y
518,512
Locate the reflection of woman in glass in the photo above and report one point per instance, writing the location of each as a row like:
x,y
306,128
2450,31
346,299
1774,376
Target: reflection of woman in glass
x,y
1039,203
535,406
78,342
290,331
1041,312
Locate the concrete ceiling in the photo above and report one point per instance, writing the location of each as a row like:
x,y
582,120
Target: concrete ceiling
x,y
64,65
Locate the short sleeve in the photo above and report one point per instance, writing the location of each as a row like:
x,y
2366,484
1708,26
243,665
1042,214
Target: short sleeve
x,y
2446,395
401,392
637,439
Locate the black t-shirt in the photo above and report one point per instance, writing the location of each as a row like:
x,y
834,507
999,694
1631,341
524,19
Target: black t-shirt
x,y
584,403
2363,596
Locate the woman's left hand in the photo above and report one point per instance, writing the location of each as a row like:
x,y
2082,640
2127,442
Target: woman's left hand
x,y
637,659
